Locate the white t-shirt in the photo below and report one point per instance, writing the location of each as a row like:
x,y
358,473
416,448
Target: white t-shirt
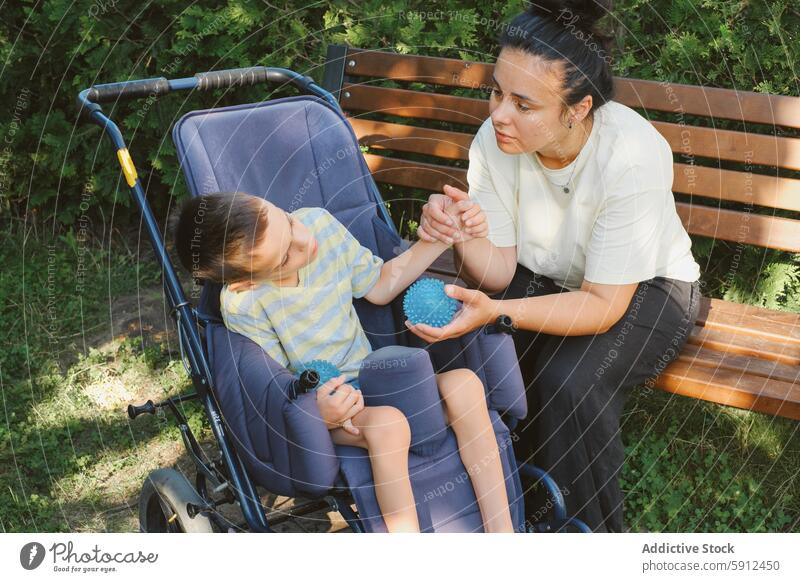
x,y
618,223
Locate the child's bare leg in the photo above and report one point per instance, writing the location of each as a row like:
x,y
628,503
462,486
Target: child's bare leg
x,y
386,436
465,407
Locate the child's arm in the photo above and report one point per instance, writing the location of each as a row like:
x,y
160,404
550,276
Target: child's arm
x,y
403,270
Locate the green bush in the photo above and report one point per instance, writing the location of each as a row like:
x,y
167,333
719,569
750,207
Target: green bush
x,y
53,169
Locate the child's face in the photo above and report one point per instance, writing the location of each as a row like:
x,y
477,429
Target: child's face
x,y
286,247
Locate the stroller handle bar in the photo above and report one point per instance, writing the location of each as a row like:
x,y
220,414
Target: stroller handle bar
x,y
89,100
253,76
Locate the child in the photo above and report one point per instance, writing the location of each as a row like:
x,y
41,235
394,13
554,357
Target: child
x,y
289,281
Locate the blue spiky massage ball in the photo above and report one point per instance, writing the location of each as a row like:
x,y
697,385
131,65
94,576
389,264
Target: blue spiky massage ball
x,y
426,302
323,368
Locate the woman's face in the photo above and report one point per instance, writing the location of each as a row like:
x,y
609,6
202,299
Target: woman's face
x,y
526,105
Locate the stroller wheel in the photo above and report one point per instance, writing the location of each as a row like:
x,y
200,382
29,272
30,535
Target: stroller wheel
x,y
162,505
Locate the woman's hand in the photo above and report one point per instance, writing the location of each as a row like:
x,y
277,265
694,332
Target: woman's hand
x,y
477,309
451,217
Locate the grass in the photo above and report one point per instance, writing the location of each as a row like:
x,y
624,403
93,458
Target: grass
x,y
693,466
70,363
71,460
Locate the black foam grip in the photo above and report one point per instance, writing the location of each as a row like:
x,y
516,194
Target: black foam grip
x,y
128,90
231,78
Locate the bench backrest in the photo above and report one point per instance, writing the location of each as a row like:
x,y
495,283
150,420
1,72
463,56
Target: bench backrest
x,y
725,173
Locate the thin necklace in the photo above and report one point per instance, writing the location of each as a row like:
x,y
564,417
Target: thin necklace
x,y
565,186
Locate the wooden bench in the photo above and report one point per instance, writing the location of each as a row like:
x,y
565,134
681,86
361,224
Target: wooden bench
x,y
418,134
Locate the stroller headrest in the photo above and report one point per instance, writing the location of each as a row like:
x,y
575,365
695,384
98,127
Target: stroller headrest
x,y
296,152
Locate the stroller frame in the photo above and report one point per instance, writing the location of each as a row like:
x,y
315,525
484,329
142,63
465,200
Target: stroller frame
x,y
227,475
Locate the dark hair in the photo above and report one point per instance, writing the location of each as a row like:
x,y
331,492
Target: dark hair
x,y
214,233
566,32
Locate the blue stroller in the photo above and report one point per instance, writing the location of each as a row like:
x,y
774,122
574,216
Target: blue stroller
x,y
298,152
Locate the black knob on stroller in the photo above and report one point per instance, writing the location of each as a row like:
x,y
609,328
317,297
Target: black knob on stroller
x,y
307,381
146,408
503,324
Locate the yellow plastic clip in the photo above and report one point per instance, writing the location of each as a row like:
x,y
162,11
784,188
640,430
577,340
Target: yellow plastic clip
x,y
128,168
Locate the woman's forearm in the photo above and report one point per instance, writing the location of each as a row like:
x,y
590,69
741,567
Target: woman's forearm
x,y
563,314
481,264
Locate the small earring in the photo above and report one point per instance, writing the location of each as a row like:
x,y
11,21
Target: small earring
x,y
570,123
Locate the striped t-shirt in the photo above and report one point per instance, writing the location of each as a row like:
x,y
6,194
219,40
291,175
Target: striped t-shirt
x,y
316,319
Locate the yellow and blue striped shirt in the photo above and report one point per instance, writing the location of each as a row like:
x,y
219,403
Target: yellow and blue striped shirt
x,y
316,319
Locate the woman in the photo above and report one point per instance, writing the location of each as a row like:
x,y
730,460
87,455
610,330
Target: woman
x,y
585,250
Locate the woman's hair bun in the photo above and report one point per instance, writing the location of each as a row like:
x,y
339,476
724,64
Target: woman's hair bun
x,y
583,14
567,32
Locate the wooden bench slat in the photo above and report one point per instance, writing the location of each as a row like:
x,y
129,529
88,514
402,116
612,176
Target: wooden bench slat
x,y
753,313
714,183
432,70
781,327
752,346
409,138
735,146
443,265
406,103
707,142
741,227
677,98
722,359
431,177
744,187
747,106
731,388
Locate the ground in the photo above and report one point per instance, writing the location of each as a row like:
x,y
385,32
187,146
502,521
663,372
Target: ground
x,y
113,378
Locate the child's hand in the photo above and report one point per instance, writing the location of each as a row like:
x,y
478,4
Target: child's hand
x,y
338,403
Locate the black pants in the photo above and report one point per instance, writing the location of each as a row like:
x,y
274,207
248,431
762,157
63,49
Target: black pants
x,y
577,387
